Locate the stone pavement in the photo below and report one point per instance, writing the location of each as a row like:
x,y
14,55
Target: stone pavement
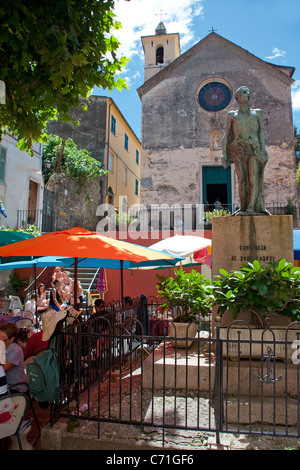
x,y
77,434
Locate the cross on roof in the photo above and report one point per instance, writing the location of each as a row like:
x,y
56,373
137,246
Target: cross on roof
x,y
161,14
212,30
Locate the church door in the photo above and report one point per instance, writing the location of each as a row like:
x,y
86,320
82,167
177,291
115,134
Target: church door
x,y
216,184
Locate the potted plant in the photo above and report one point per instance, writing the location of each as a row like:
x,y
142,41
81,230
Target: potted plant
x,y
271,290
215,213
190,293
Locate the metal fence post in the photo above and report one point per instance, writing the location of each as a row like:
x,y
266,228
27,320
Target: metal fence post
x,y
219,381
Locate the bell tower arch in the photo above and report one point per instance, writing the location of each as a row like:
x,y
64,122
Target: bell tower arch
x,y
159,50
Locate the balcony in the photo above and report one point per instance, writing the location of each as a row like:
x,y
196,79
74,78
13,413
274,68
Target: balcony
x,y
41,220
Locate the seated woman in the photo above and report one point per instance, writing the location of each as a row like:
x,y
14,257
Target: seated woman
x,y
41,302
30,304
57,300
56,297
30,308
65,278
3,382
79,293
57,275
14,359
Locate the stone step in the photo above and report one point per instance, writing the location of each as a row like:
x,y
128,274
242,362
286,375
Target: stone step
x,y
267,410
194,369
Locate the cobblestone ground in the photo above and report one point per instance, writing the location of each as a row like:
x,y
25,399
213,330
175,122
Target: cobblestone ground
x,y
149,409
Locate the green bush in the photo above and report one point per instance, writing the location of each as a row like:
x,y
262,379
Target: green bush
x,y
262,289
188,290
215,213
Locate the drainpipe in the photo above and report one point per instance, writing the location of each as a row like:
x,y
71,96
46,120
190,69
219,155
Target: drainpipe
x,y
107,156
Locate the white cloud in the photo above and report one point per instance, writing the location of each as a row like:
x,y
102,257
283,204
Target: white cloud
x,y
276,53
140,18
296,96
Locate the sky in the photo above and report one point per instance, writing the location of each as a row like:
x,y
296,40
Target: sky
x,y
268,29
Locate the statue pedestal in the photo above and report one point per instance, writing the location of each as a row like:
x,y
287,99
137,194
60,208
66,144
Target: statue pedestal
x,y
239,239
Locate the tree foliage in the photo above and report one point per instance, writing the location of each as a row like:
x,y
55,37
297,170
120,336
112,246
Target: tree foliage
x,y
297,152
51,54
67,159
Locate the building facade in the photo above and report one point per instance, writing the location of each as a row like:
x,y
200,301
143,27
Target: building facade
x,y
21,185
185,104
105,133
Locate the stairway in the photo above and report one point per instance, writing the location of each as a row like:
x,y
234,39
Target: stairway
x,y
85,276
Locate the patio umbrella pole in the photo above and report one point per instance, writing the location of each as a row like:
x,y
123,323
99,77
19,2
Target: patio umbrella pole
x,y
35,290
122,285
75,283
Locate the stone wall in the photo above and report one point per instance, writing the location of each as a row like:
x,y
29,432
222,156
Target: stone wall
x,y
91,133
74,205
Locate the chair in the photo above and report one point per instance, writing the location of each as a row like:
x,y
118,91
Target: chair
x,y
27,314
29,402
15,304
24,323
4,306
12,413
92,298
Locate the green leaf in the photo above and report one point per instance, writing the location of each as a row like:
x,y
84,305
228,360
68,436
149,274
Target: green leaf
x,y
256,265
263,289
229,294
223,272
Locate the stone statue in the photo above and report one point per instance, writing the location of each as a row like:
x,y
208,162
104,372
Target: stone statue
x,y
244,145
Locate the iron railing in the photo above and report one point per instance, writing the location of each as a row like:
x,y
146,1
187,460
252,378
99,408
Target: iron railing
x,y
43,221
163,217
112,372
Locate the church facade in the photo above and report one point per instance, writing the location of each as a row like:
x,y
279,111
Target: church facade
x,y
185,102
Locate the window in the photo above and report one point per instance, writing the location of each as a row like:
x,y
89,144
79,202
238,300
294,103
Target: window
x,y
137,157
113,125
2,163
110,162
136,187
126,142
214,96
159,55
110,196
125,176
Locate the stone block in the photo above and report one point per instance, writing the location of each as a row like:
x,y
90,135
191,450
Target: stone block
x,y
52,436
237,240
180,369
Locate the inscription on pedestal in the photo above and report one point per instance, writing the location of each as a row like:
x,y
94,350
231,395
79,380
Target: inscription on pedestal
x,y
237,240
244,256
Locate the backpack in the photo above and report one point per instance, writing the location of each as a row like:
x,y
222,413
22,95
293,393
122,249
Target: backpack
x,y
43,376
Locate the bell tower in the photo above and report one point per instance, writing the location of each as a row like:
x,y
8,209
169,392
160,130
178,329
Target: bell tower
x,y
160,50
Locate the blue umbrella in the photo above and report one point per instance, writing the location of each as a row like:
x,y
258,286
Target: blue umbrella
x,y
87,263
37,262
296,243
116,264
